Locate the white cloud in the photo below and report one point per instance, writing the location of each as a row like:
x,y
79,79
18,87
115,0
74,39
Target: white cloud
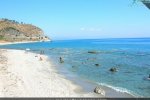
x,y
82,29
91,29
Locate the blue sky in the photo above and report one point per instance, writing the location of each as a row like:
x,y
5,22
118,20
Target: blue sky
x,y
81,19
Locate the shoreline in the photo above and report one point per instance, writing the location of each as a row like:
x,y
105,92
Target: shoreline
x,y
82,88
29,76
9,43
88,86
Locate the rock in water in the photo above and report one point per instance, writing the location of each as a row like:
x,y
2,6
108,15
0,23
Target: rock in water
x,y
98,90
92,52
73,66
113,69
97,65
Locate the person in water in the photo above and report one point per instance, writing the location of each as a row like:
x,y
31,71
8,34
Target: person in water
x,y
61,60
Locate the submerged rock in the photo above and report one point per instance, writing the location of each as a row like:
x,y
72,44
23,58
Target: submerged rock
x,y
91,59
51,48
73,66
148,78
93,52
113,69
97,65
98,90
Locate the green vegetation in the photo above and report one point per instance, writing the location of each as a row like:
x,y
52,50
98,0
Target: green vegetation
x,y
1,37
13,21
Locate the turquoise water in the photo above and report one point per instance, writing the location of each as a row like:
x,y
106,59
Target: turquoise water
x,y
130,56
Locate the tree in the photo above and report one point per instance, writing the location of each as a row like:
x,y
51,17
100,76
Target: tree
x,y
145,2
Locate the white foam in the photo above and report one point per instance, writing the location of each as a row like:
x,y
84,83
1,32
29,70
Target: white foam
x,y
120,89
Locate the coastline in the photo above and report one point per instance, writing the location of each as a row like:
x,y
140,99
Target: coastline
x,y
88,86
42,73
29,76
8,43
83,88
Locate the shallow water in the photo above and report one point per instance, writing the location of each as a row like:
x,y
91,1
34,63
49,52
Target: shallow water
x,y
130,56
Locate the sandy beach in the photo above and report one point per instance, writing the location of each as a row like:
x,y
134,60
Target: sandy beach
x,y
8,43
24,74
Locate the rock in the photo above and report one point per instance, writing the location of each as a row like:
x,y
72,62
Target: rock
x,y
91,59
51,48
98,90
97,65
73,66
148,78
92,52
36,56
113,69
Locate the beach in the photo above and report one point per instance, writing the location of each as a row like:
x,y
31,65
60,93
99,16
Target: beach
x,y
9,43
25,74
75,49
78,75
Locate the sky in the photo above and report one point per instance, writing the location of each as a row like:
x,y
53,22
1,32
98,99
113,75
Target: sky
x,y
81,19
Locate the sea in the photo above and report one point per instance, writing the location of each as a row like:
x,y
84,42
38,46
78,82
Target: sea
x,y
130,56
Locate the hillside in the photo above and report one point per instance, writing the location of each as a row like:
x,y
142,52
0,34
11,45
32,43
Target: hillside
x,y
13,31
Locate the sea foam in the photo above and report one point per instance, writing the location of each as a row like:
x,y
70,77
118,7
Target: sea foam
x,y
120,89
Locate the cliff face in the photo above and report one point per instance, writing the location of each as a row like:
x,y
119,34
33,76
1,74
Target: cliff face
x,y
13,31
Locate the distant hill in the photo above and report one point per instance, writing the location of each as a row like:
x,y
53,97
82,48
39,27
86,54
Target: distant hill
x,y
13,31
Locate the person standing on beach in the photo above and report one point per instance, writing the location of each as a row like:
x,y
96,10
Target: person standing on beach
x,y
41,59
